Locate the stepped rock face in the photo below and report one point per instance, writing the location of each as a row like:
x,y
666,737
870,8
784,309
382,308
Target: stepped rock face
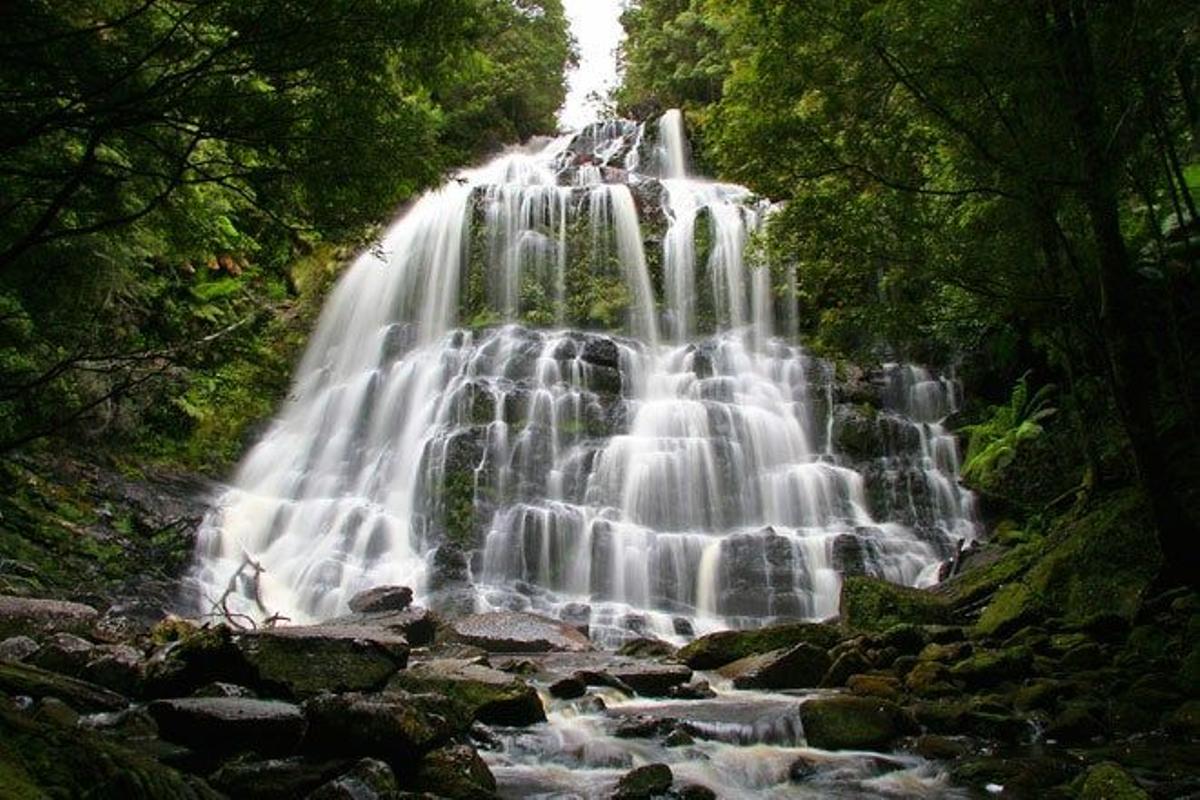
x,y
560,385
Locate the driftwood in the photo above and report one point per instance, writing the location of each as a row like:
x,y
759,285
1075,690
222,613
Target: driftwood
x,y
220,606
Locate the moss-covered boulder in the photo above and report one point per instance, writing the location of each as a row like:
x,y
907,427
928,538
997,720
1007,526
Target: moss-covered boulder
x,y
1099,561
991,667
456,772
724,647
845,722
395,726
194,658
1108,781
306,660
644,783
799,667
488,695
875,605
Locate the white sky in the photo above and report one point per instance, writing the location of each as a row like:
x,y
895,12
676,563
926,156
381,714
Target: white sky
x,y
597,29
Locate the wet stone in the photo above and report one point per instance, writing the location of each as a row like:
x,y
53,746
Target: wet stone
x,y
230,724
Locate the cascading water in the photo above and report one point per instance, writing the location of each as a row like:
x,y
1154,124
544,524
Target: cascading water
x,y
453,428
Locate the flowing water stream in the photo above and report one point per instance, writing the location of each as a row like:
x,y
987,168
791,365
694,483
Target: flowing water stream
x,y
558,384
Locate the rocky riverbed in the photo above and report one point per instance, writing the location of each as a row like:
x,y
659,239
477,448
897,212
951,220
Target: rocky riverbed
x,y
391,701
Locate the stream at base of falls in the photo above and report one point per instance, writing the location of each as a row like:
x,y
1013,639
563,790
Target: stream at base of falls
x,y
566,383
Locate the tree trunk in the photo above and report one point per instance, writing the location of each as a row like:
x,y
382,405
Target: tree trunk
x,y
1129,361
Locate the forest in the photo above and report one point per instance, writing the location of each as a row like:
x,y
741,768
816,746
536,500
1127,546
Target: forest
x,y
818,421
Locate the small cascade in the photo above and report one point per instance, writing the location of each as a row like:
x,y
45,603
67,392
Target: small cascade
x,y
560,385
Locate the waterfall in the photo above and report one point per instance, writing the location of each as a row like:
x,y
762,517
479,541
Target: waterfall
x,y
557,385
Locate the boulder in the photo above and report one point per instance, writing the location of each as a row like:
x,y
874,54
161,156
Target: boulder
x,y
230,724
198,657
274,779
417,625
382,598
17,648
724,647
456,772
27,616
848,663
799,667
843,722
306,660
25,679
886,687
393,725
650,679
872,604
1107,781
63,652
117,667
991,667
369,779
646,648
489,695
518,632
644,783
568,688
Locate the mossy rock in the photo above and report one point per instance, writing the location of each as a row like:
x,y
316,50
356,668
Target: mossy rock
x,y
844,722
643,783
1108,781
41,761
26,679
306,660
456,772
875,605
489,695
991,667
799,667
724,647
1102,561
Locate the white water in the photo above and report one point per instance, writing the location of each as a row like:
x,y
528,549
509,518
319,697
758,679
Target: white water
x,y
678,478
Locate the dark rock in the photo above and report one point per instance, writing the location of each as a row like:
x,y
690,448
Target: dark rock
x,y
695,791
650,679
1185,720
518,632
274,779
53,711
1076,724
63,652
568,689
886,687
1031,776
17,648
489,696
683,627
219,689
644,783
939,748
456,772
25,679
850,723
929,679
369,779
1108,781
643,727
801,770
198,657
1084,657
872,604
849,663
26,616
117,667
394,726
699,690
382,598
230,724
678,738
724,647
799,667
991,667
303,661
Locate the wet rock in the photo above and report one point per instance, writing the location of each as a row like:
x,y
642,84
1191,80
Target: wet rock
x,y
219,689
274,779
117,667
26,616
799,667
601,351
683,627
905,638
369,779
1185,720
1075,724
1084,657
849,663
382,598
850,723
456,772
649,679
946,653
939,748
678,738
929,679
306,660
393,725
644,783
568,688
695,791
518,632
643,727
418,626
646,648
198,657
489,696
17,648
1108,781
698,690
230,724
63,652
801,770
1031,776
53,711
26,679
724,647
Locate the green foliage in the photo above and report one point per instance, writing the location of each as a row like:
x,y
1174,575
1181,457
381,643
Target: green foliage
x,y
994,442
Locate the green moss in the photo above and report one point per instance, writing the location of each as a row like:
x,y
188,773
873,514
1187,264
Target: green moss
x,y
456,497
849,723
1108,781
724,647
1101,561
874,605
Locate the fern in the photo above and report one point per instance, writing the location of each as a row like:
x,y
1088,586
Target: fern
x,y
993,444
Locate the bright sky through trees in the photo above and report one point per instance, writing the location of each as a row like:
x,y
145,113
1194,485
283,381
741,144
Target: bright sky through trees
x,y
596,26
